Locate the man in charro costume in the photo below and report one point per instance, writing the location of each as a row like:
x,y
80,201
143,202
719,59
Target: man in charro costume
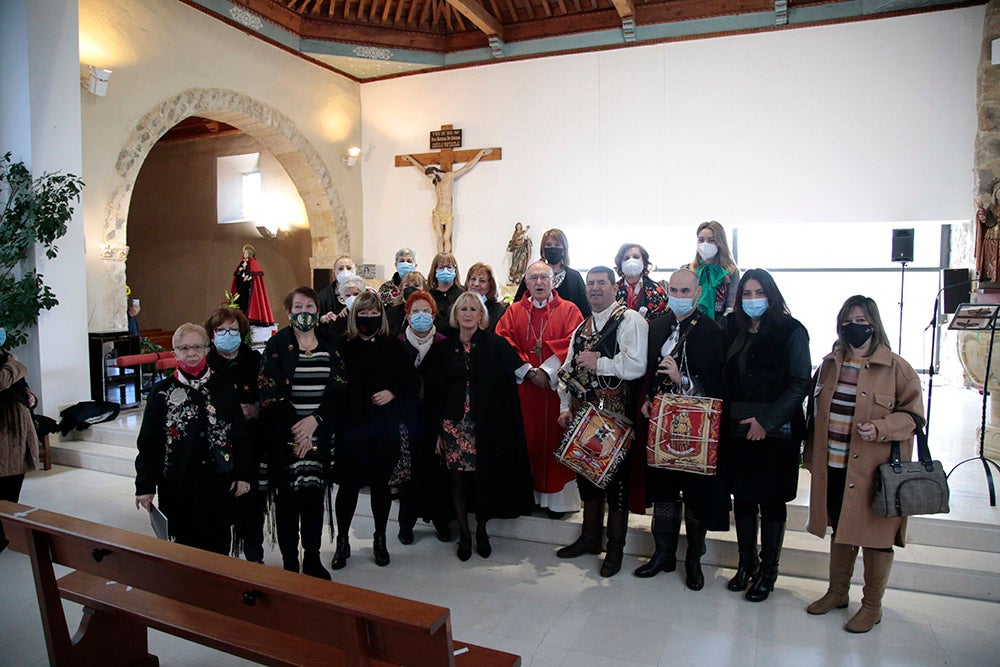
x,y
540,327
607,353
686,354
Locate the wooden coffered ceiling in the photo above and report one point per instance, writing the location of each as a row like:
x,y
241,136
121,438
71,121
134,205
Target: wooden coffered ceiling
x,y
408,35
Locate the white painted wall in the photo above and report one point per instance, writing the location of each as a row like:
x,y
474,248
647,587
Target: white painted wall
x,y
160,48
40,125
862,122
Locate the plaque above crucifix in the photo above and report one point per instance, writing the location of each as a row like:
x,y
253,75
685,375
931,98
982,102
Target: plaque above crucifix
x,y
438,167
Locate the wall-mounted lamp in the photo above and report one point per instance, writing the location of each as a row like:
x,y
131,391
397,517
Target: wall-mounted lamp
x,y
97,81
272,232
350,157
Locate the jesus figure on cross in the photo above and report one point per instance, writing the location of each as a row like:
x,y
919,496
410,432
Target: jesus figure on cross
x,y
444,186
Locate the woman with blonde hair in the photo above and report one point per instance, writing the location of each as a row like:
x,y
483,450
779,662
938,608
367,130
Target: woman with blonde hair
x,y
476,416
866,397
717,272
444,286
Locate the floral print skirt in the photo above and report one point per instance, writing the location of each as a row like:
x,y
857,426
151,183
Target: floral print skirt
x,y
458,444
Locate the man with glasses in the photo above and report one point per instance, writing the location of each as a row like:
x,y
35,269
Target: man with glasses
x,y
539,326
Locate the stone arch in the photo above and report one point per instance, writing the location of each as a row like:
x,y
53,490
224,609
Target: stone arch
x,y
278,134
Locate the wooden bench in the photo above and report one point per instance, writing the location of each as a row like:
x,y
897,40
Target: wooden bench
x,y
129,582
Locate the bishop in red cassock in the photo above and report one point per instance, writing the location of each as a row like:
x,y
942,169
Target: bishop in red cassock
x,y
540,327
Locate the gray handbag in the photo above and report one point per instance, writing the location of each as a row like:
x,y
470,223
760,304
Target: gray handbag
x,y
906,488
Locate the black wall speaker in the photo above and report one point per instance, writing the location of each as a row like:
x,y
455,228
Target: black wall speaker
x,y
957,289
902,245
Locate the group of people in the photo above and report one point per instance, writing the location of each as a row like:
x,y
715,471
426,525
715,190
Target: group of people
x,y
438,395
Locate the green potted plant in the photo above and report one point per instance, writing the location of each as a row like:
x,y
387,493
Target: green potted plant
x,y
32,210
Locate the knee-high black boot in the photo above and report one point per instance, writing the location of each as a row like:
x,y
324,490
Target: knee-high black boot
x,y
589,541
617,528
286,515
746,541
312,536
696,531
772,535
666,530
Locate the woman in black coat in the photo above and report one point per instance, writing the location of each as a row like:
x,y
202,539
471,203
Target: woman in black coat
x,y
472,397
373,447
767,375
193,448
300,384
231,358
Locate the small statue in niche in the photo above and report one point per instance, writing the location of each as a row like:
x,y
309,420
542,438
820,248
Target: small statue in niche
x,y
519,248
988,237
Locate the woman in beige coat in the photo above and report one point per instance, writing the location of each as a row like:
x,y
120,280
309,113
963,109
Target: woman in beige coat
x,y
18,441
865,397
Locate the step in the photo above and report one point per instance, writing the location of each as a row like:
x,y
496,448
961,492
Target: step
x,y
99,456
967,573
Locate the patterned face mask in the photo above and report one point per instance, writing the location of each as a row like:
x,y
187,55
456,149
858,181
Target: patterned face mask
x,y
304,320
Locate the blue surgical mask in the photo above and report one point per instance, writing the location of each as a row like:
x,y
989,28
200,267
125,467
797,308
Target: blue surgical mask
x,y
3,336
482,297
421,321
445,276
680,306
754,308
404,269
227,341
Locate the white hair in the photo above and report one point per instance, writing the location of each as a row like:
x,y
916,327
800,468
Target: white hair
x,y
351,281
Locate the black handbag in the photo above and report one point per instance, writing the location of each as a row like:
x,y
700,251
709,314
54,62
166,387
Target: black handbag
x,y
906,488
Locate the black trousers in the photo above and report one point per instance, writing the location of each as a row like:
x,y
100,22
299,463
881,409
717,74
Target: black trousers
x,y
10,489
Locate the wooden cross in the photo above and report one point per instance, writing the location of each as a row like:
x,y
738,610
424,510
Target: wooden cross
x,y
446,158
437,166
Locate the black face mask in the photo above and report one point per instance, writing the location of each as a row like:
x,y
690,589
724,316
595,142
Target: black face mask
x,y
554,255
369,325
407,291
857,334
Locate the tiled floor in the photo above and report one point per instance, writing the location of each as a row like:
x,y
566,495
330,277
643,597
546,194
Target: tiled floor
x,y
552,612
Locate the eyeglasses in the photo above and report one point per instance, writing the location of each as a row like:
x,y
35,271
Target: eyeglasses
x,y
184,349
225,331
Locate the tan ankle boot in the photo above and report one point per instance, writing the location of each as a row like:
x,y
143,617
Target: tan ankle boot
x,y
842,558
877,564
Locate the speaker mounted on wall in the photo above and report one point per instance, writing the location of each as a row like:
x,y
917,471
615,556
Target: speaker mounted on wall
x,y
902,245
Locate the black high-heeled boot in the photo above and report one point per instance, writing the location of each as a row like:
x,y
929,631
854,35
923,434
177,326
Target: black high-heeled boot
x,y
483,546
464,545
380,550
666,529
342,553
696,531
772,535
746,541
589,541
617,528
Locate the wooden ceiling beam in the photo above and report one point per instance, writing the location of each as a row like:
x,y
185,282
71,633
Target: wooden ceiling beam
x,y
625,8
527,7
478,15
512,10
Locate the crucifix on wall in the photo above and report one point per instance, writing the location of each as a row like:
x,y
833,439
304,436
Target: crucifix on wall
x,y
437,167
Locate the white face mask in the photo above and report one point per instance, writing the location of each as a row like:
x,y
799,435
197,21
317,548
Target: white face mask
x,y
707,250
343,274
349,301
632,267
